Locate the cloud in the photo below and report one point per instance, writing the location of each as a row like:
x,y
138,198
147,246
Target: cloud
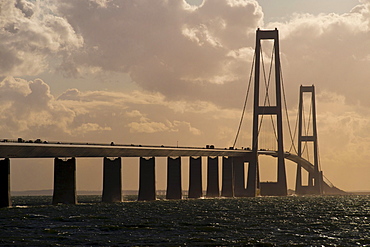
x,y
205,52
186,53
165,46
31,32
187,126
141,108
88,127
147,127
328,50
29,107
30,111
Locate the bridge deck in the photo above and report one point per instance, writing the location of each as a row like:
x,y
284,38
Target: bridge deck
x,y
41,150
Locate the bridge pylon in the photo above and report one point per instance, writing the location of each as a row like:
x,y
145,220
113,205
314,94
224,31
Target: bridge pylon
x,y
278,188
315,179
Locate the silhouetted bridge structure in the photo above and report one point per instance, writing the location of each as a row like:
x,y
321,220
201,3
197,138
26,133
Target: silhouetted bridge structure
x,y
233,163
234,181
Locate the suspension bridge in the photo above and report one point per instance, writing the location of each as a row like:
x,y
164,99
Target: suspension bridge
x,y
268,101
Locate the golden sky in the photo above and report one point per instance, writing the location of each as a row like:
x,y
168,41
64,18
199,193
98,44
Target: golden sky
x,y
165,72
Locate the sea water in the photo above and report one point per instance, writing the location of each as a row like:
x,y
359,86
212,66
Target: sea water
x,y
261,221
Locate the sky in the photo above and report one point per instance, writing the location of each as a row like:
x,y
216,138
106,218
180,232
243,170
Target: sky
x,y
156,72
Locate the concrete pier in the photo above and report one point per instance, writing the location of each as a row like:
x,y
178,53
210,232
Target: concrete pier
x,y
239,177
174,189
213,188
195,178
310,179
227,177
147,190
270,189
5,200
298,180
64,181
112,180
252,178
320,186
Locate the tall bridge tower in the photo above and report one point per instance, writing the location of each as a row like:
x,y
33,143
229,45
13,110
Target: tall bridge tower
x,y
315,179
278,188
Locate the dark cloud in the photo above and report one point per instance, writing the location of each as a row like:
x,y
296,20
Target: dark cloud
x,y
166,46
25,7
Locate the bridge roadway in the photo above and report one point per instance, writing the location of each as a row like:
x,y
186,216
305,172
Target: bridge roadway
x,y
53,150
292,157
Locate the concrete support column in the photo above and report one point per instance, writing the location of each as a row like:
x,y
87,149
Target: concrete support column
x,y
195,178
239,177
321,182
298,182
64,181
174,189
5,200
318,180
112,180
310,179
147,191
252,179
213,188
227,177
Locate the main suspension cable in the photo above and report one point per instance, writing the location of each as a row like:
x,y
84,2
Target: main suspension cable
x,y
268,87
245,101
287,115
294,134
318,153
304,129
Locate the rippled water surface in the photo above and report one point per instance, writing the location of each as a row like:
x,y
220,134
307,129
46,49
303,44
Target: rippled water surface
x,y
313,220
